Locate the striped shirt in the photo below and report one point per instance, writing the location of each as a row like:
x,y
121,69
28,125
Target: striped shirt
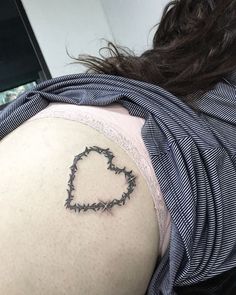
x,y
193,156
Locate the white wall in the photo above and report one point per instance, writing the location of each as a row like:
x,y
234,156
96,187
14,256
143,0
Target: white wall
x,y
131,21
78,25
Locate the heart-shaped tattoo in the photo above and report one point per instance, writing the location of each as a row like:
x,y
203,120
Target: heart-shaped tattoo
x,y
101,205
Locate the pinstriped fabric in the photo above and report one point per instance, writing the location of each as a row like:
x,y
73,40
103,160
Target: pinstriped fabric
x,y
193,156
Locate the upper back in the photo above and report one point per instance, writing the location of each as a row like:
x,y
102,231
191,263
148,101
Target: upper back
x,y
55,249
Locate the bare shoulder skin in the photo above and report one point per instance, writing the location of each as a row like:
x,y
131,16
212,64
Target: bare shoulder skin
x,y
52,241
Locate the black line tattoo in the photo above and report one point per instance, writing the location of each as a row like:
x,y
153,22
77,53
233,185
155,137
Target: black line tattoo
x,y
105,206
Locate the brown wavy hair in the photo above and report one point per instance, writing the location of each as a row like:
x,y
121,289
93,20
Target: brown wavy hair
x,y
194,46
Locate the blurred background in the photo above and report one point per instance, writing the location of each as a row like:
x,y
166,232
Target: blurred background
x,y
34,36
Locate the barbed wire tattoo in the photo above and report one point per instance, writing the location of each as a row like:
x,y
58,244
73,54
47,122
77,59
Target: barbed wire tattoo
x,y
105,206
